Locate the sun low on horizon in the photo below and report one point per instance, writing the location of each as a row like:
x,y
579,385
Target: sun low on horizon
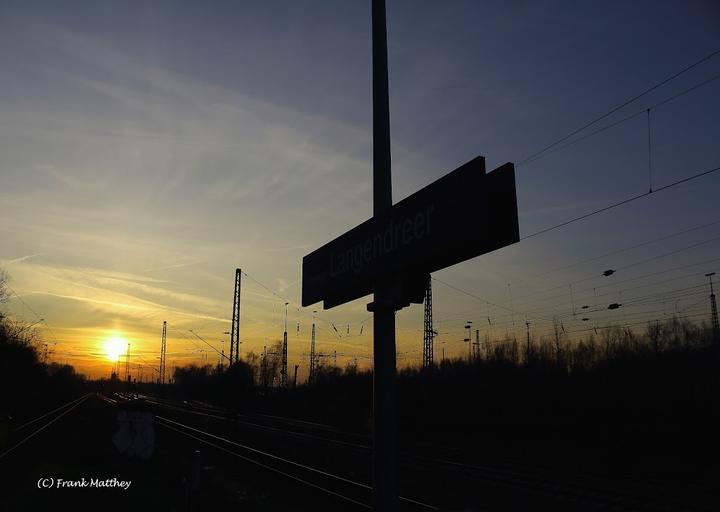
x,y
114,346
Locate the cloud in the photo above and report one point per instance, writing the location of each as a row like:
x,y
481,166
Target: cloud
x,y
173,266
21,259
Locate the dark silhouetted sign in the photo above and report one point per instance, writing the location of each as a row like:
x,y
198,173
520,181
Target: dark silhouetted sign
x,y
464,214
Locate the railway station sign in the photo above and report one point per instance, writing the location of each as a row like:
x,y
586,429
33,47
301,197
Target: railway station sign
x,y
464,214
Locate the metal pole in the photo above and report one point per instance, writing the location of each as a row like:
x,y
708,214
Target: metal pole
x,y
428,332
235,322
162,352
527,324
127,363
468,326
313,357
384,411
713,311
384,459
284,356
382,180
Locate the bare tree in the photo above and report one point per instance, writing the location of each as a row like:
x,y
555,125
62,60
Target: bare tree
x,y
3,288
653,334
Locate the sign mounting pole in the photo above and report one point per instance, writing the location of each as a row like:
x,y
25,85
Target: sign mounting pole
x,y
384,458
463,214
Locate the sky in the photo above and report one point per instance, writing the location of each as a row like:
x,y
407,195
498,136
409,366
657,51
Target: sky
x,y
150,148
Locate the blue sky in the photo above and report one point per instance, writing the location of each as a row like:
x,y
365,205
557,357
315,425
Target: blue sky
x,y
148,149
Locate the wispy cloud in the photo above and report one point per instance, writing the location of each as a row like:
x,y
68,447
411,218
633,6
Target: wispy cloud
x,y
173,266
21,259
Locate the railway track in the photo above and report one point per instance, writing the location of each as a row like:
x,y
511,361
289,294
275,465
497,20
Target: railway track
x,y
345,489
574,491
32,427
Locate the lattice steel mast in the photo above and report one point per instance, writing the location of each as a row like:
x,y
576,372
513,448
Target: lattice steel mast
x,y
127,364
235,323
313,357
713,308
428,332
162,353
284,367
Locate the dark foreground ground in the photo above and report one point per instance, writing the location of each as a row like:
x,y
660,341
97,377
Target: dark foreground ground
x,y
635,432
207,458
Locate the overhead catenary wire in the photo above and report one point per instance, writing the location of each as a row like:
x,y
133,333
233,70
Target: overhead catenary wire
x,y
659,272
549,330
617,123
618,251
208,344
542,292
641,302
633,324
647,299
621,106
37,317
615,205
474,296
621,203
515,311
303,310
543,313
544,300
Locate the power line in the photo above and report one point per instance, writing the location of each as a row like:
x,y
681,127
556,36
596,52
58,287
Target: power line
x,y
705,262
535,313
665,255
644,301
620,203
39,319
208,344
543,292
618,251
643,322
469,294
621,106
598,276
300,308
546,299
618,122
638,301
148,364
656,283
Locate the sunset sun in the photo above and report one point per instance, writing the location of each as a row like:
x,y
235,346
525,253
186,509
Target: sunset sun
x,y
114,347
